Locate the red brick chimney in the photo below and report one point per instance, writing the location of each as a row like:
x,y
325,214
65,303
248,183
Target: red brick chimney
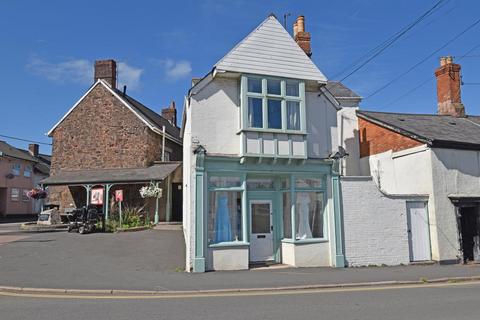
x,y
301,37
33,149
170,113
448,88
106,70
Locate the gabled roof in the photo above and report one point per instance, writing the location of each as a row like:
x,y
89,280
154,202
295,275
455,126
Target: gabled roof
x,y
152,119
340,91
11,151
151,115
440,131
270,50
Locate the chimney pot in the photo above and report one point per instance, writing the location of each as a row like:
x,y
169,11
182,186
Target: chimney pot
x,y
33,149
170,113
301,23
448,88
301,37
106,70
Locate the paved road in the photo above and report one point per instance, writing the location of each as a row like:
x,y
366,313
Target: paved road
x,y
453,301
150,260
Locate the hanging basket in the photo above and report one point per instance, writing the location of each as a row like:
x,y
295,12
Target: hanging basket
x,y
37,193
151,191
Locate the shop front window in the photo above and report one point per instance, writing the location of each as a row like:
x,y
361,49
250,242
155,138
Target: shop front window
x,y
224,216
309,211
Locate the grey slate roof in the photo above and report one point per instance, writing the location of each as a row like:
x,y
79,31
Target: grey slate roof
x,y
156,172
13,152
150,115
435,130
41,163
339,90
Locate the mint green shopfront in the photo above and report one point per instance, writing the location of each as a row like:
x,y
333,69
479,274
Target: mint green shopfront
x,y
246,213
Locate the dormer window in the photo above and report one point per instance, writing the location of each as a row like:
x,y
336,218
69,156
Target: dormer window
x,y
273,104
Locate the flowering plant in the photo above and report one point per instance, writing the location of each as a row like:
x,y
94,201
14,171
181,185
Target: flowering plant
x,y
37,193
151,191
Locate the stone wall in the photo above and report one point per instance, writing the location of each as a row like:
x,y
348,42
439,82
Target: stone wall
x,y
102,133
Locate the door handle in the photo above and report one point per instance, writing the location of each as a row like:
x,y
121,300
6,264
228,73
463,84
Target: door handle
x,y
271,228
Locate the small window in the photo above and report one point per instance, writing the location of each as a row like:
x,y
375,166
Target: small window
x,y
274,114
16,169
14,194
166,156
259,183
255,115
293,115
308,183
27,172
224,182
25,197
292,89
255,85
274,87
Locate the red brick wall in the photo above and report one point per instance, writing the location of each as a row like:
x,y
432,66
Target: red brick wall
x,y
375,139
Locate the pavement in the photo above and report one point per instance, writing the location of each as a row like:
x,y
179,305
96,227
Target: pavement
x,y
153,260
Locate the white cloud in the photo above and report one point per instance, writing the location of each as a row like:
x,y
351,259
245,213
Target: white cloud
x,y
81,71
74,70
176,69
129,76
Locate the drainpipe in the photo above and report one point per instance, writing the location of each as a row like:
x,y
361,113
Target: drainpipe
x,y
163,144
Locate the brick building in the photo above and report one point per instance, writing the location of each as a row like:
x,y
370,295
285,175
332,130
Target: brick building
x,y
109,140
435,157
20,171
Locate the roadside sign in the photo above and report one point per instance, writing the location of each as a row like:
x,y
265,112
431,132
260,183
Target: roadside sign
x,y
118,195
96,196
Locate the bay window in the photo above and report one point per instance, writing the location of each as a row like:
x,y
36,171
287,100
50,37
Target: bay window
x,y
273,104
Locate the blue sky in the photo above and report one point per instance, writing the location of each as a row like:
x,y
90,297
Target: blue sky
x,y
48,49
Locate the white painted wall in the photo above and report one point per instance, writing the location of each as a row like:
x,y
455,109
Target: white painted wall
x,y
454,172
348,137
375,224
188,189
215,114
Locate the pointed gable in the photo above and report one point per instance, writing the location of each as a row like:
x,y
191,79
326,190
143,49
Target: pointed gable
x,y
270,50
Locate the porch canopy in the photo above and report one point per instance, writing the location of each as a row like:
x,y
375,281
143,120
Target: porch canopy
x,y
156,172
109,177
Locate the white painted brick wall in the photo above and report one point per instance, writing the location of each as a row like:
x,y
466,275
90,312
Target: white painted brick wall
x,y
375,225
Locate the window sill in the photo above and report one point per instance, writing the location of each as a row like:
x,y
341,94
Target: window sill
x,y
305,241
229,244
297,132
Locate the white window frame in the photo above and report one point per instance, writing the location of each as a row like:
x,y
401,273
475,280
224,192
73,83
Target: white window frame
x,y
16,167
244,123
28,169
17,198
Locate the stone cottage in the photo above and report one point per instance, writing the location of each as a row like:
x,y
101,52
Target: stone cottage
x,y
110,141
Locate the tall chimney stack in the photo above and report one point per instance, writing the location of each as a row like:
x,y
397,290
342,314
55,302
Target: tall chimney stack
x,y
106,70
170,113
448,88
301,37
33,149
